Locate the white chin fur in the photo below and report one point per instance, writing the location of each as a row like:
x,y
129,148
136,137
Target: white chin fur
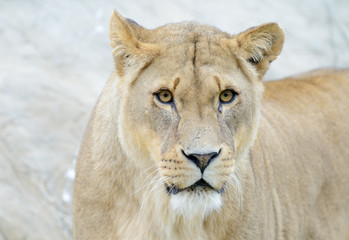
x,y
196,203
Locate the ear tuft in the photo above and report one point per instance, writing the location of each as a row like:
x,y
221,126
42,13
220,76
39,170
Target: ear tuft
x,y
260,45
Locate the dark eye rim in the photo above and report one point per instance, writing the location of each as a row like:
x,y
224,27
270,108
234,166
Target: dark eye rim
x,y
235,94
158,97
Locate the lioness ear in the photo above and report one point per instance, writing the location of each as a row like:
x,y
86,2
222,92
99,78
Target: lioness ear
x,y
260,45
128,49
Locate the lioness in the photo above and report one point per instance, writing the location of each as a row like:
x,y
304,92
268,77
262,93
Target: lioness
x,y
181,144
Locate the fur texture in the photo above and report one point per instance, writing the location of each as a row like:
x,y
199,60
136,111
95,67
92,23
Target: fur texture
x,y
199,167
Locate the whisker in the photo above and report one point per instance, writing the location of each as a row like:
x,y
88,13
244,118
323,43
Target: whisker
x,y
234,182
151,167
238,191
157,184
149,175
145,180
226,185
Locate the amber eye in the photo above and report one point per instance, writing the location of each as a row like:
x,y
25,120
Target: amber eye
x,y
227,96
164,96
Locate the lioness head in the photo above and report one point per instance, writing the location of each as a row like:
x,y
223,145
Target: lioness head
x,y
189,98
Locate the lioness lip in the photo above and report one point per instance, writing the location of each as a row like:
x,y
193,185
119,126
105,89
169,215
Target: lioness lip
x,y
201,183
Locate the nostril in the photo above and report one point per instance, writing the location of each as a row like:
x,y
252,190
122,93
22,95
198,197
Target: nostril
x,y
202,160
193,158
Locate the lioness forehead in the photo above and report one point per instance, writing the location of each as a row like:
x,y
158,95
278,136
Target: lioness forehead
x,y
193,43
195,54
185,32
193,70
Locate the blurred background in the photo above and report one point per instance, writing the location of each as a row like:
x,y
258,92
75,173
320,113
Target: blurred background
x,y
55,58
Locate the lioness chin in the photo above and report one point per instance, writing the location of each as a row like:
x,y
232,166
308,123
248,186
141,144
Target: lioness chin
x,y
186,142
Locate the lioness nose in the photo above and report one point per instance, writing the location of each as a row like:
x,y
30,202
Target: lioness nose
x,y
202,160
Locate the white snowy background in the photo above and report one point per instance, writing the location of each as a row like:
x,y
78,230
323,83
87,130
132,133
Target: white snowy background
x,y
55,58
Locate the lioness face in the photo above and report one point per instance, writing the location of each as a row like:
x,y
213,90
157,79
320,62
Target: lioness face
x,y
191,109
199,112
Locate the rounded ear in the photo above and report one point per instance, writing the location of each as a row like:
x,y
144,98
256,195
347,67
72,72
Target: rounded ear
x,y
129,52
260,45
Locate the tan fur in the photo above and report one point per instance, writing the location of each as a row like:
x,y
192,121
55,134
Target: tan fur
x,y
289,181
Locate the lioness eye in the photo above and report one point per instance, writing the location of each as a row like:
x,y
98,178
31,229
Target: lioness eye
x,y
227,96
164,96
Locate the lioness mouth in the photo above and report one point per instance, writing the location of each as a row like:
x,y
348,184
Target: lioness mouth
x,y
201,185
